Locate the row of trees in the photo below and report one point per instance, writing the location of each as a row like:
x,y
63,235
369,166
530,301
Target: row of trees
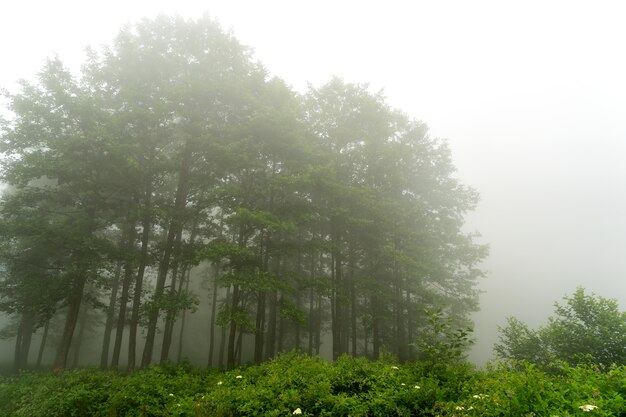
x,y
327,213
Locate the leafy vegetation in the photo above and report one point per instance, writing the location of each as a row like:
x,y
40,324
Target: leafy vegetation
x,y
585,327
323,215
293,384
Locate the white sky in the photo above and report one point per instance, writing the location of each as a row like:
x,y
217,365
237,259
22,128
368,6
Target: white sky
x,y
530,94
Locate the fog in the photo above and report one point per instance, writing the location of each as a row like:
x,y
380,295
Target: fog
x,y
530,97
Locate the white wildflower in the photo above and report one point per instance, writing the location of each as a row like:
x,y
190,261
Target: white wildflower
x,y
238,377
417,387
297,411
171,395
588,407
394,367
459,408
219,382
403,384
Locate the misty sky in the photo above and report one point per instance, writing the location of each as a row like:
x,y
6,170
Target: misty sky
x,y
530,95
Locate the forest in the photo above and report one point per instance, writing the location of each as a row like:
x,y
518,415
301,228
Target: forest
x,y
184,234
174,176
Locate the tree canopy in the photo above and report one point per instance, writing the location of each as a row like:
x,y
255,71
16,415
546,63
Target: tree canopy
x,y
173,152
585,326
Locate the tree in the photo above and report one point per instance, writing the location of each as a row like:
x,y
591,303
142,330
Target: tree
x,y
585,326
330,212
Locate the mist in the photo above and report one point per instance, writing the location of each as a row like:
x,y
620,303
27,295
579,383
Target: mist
x,y
529,97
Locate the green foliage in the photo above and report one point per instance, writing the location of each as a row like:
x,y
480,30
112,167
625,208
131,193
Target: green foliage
x,y
522,389
173,146
585,326
517,341
347,387
441,341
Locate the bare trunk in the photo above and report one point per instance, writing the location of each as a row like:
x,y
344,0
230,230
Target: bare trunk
x,y
375,329
78,342
259,328
232,333
121,316
270,343
146,224
75,301
174,230
42,346
179,353
23,340
409,324
108,326
172,297
220,363
213,313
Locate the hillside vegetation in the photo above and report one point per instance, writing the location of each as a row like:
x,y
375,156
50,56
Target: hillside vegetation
x,y
301,385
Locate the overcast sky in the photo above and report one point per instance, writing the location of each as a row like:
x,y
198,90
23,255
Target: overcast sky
x,y
531,96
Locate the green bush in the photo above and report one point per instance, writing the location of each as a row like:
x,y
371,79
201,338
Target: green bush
x,y
350,386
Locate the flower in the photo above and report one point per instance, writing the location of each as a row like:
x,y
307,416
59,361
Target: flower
x,y
219,382
297,411
459,408
238,377
394,367
588,407
403,384
171,395
417,387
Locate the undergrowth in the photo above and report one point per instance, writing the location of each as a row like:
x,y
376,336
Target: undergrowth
x,y
295,384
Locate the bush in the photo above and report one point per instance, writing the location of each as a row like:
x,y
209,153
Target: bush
x,y
348,387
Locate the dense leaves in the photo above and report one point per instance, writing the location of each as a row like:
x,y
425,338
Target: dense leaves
x,y
173,153
294,384
587,327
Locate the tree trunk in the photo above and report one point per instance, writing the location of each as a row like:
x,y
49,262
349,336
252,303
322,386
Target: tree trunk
x,y
42,346
216,267
318,315
220,362
238,347
259,328
409,325
353,312
311,321
121,316
179,353
23,340
172,297
298,289
78,341
375,329
75,302
270,343
128,244
232,333
108,325
337,303
146,224
174,230
175,296
259,337
402,345
281,328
